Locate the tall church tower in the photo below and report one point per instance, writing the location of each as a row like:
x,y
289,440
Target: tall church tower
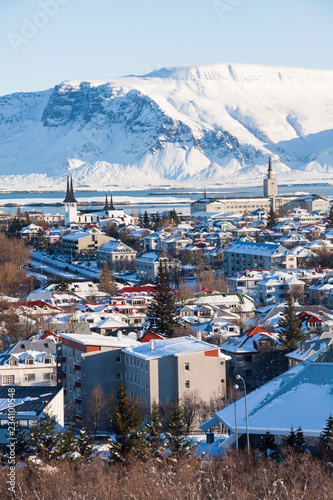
x,y
70,203
270,183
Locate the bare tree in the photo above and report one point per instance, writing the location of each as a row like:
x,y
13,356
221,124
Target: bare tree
x,y
95,406
192,408
107,283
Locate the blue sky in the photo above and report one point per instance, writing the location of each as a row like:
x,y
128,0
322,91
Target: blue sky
x,y
44,42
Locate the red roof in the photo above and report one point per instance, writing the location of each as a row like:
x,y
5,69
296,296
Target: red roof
x,y
314,319
149,336
255,330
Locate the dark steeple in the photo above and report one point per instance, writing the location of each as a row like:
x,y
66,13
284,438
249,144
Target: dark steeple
x,y
270,171
111,206
70,198
106,206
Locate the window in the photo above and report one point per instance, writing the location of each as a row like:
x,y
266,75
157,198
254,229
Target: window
x,y
187,384
8,379
29,361
130,361
23,423
126,360
47,361
70,387
13,362
29,377
247,373
22,346
126,377
146,366
118,358
47,376
70,370
187,367
118,376
46,345
147,384
247,358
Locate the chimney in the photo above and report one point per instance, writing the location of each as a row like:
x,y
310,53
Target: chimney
x,y
199,335
119,335
153,344
200,288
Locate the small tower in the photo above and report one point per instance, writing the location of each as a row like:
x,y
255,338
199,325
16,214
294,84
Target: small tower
x,y
270,183
106,205
70,203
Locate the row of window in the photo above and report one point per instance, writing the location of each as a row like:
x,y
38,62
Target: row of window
x,y
28,377
139,363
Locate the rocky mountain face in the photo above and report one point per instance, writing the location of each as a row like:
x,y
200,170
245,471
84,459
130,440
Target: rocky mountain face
x,y
206,124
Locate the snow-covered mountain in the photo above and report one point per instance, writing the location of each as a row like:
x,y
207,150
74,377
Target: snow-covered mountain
x,y
190,125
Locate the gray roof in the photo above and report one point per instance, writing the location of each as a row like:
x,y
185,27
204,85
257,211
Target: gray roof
x,y
32,399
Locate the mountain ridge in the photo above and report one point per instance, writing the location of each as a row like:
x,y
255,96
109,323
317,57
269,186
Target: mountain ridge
x,y
190,124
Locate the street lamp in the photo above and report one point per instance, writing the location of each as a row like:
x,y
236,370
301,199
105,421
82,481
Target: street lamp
x,y
238,377
236,387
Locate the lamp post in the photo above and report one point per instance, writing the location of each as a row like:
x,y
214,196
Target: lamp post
x,y
238,377
236,387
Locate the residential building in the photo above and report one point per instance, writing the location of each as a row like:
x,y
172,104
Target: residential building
x,y
31,404
164,370
89,360
115,252
146,266
242,255
28,363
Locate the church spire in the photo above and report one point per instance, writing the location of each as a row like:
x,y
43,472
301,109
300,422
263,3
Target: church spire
x,y
67,191
70,198
270,170
111,206
106,205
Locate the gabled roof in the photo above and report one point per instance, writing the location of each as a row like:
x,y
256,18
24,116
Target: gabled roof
x,y
300,397
30,400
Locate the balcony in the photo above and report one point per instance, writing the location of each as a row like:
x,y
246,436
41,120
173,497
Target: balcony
x,y
77,366
61,359
77,383
61,374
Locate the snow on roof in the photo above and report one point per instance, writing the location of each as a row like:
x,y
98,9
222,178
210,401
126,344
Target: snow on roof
x,y
95,339
287,401
171,347
264,249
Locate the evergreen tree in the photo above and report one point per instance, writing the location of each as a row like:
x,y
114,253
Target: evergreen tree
x,y
268,446
325,445
272,219
43,439
62,285
176,431
66,445
174,216
83,443
162,310
146,221
290,325
126,423
300,442
107,283
21,445
154,430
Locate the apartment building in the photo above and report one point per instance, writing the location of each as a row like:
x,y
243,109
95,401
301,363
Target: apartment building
x,y
90,359
242,255
29,363
163,370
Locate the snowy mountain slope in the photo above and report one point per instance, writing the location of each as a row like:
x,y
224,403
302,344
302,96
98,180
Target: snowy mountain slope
x,y
210,123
